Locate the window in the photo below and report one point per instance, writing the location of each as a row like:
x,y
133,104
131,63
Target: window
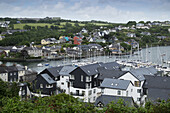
x,y
138,90
77,92
41,85
94,83
137,83
138,99
62,83
72,77
102,90
11,74
83,93
81,78
126,93
88,85
131,90
62,76
14,73
118,92
88,79
94,91
71,84
94,98
90,92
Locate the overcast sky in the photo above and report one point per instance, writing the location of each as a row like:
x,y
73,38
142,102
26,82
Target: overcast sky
x,y
106,10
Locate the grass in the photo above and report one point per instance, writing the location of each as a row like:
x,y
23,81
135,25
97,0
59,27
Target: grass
x,y
20,26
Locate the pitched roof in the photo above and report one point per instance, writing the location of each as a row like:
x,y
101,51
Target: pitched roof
x,y
111,65
91,69
107,73
66,70
140,72
48,78
5,69
115,83
54,70
157,82
106,99
158,87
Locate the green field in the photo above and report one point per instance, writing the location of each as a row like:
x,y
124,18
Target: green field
x,y
20,26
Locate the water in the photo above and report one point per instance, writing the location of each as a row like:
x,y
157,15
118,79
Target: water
x,y
153,54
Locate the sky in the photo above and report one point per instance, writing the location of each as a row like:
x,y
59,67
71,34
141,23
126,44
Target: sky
x,y
116,11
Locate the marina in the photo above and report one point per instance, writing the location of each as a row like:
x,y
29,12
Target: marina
x,y
158,56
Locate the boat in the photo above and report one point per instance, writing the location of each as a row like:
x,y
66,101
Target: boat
x,y
47,64
40,65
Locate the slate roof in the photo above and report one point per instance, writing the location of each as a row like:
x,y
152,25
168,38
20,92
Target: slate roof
x,y
48,78
66,70
106,99
157,82
111,65
158,87
54,71
115,83
91,69
140,72
107,73
6,69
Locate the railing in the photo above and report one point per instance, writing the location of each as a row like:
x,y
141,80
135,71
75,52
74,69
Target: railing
x,y
75,94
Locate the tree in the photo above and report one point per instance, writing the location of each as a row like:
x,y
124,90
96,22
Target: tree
x,y
130,23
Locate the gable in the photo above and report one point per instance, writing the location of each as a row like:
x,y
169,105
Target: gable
x,y
129,76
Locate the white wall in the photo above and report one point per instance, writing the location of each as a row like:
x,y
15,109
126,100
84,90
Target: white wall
x,y
4,76
63,83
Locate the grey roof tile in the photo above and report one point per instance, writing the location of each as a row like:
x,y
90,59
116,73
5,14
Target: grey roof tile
x,y
48,78
66,70
115,83
106,99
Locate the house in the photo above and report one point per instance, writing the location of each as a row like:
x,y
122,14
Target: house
x,y
44,85
169,30
14,31
161,37
77,40
131,35
101,40
83,82
29,76
156,88
133,43
49,54
92,39
33,51
24,91
64,83
117,87
115,48
145,33
9,73
95,47
104,100
53,72
73,52
48,41
84,30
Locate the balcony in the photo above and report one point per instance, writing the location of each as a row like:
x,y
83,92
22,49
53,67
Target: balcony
x,y
75,94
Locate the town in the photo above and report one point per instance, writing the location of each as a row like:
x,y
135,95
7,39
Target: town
x,y
90,81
